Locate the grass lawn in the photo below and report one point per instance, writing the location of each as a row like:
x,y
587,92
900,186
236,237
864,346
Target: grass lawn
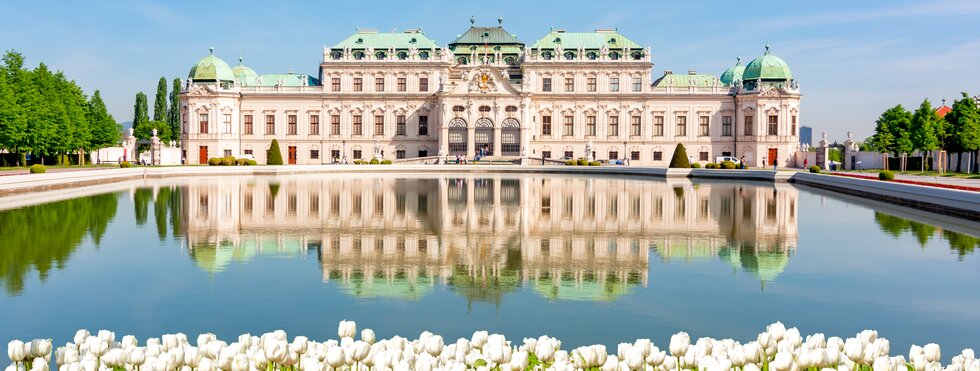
x,y
924,173
57,167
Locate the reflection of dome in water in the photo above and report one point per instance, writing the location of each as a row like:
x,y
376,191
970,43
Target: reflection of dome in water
x,y
399,287
486,288
213,259
764,265
594,290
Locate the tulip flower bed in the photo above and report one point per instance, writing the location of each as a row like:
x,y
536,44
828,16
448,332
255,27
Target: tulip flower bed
x,y
928,184
778,348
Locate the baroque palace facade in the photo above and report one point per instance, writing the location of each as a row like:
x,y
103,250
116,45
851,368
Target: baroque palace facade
x,y
399,95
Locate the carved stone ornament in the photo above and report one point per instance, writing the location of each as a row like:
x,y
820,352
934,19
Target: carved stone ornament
x,y
770,92
201,91
483,82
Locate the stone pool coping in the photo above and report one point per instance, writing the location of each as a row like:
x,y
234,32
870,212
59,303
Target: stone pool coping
x,y
959,203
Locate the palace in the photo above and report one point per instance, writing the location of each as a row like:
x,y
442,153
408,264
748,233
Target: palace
x,y
401,96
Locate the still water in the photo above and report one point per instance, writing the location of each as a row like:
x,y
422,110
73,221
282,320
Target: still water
x,y
588,260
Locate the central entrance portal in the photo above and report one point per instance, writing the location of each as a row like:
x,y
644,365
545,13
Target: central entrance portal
x,y
483,137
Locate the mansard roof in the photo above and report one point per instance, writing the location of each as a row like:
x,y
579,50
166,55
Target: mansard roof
x,y
611,39
486,35
365,38
691,79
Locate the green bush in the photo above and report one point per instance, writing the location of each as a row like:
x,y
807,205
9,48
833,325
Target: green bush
x,y
727,165
38,169
710,165
227,161
886,175
594,163
695,165
375,161
125,165
680,158
386,162
275,155
815,169
571,162
214,161
251,162
358,162
582,162
241,162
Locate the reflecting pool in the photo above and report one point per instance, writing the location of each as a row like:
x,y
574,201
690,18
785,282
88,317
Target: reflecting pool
x,y
600,259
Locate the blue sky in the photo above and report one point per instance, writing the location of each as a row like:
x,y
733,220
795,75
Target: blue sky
x,y
853,59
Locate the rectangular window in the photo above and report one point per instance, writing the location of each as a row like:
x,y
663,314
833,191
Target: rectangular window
x,y
726,126
681,126
613,155
227,121
315,124
291,120
379,125
423,153
400,125
793,128
203,123
569,154
613,126
270,124
748,125
569,84
183,122
423,125
703,156
546,84
637,84
358,84
400,153
614,84
703,126
248,124
569,126
357,154
401,84
545,125
227,153
379,84
590,125
315,154
591,84
334,124
423,84
335,84
658,126
248,152
357,128
545,154
335,154
658,156
635,156
773,125
635,126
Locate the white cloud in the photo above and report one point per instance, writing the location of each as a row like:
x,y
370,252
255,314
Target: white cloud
x,y
914,9
159,13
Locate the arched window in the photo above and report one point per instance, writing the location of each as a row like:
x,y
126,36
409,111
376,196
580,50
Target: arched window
x,y
461,60
423,55
484,110
402,55
335,54
637,55
569,55
510,109
614,55
358,55
458,109
380,55
592,55
510,60
546,55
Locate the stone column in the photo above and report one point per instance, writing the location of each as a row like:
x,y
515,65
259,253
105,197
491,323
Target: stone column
x,y
496,140
155,146
470,140
850,150
822,153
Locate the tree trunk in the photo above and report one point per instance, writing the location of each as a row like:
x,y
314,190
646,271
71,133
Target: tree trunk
x,y
959,159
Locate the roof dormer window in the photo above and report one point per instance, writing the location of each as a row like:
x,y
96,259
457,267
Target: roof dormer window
x,y
359,40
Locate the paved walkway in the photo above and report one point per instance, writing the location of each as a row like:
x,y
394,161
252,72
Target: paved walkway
x,y
964,182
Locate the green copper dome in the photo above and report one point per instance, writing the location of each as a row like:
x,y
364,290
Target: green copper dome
x,y
733,74
244,74
211,68
767,67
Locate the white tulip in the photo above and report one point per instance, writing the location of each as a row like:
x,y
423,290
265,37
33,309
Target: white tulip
x,y
39,366
544,350
137,356
679,343
670,363
80,336
645,346
751,367
368,336
479,339
239,363
204,339
783,361
634,358
346,329
777,330
15,350
611,364
968,354
300,344
40,348
932,352
360,350
434,345
519,360
854,350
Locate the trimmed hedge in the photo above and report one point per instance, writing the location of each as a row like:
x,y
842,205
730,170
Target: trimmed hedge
x,y
695,165
582,162
375,161
727,165
886,175
38,169
125,165
386,162
275,155
594,163
815,169
680,158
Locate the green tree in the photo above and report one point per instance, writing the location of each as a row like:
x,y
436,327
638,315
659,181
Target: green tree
x,y
964,129
160,101
925,127
892,131
680,159
275,155
173,114
43,124
8,114
141,120
105,130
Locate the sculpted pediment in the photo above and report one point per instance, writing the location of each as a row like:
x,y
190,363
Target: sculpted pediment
x,y
201,91
481,81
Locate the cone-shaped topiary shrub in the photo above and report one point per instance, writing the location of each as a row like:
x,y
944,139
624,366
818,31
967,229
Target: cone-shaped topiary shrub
x,y
275,155
680,158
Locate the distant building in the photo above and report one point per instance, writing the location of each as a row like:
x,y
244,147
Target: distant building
x,y
943,110
806,135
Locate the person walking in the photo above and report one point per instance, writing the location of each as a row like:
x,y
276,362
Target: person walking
x,y
806,164
742,162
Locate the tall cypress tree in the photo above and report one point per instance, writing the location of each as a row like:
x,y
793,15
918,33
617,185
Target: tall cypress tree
x,y
105,130
173,114
160,101
141,120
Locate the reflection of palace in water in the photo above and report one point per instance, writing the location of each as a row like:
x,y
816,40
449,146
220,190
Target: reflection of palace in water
x,y
486,235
